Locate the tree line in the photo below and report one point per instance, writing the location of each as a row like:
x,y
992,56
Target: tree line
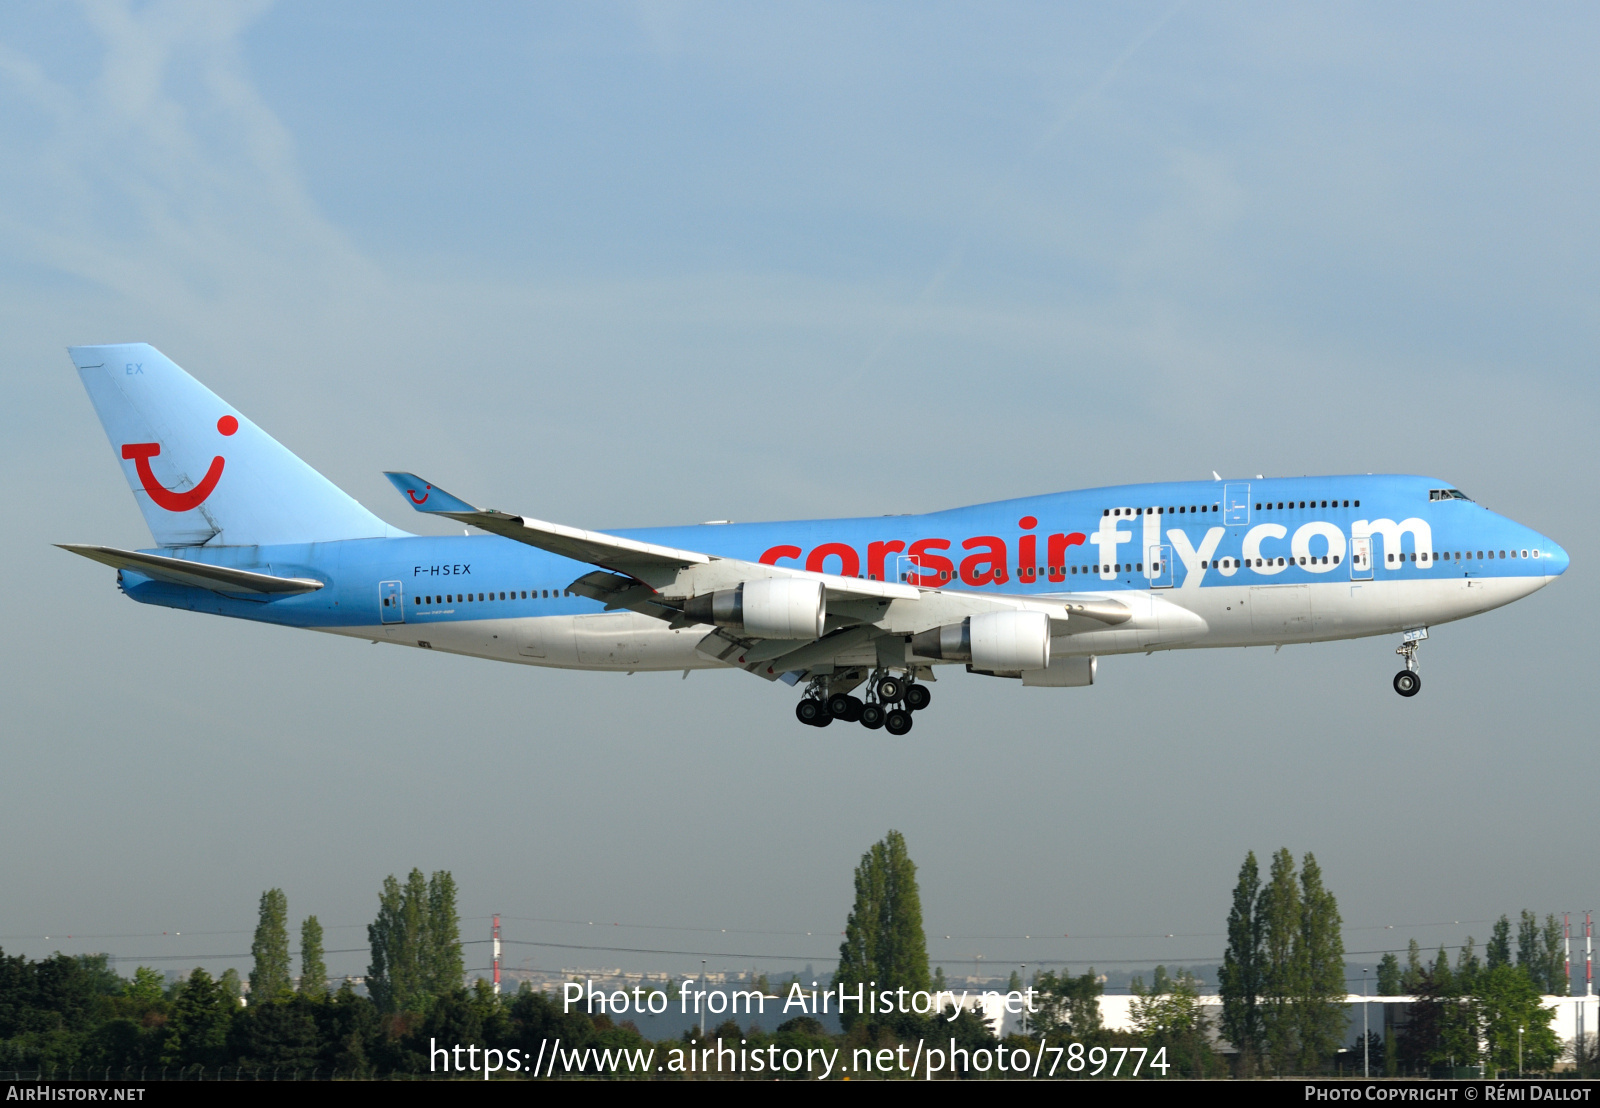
x,y
1485,1011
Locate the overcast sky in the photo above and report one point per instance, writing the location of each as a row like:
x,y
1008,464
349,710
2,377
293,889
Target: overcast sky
x,y
657,263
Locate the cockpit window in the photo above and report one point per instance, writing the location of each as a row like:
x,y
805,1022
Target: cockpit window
x,y
1447,494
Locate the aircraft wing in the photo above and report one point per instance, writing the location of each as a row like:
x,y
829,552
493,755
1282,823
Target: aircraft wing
x,y
197,575
659,567
660,581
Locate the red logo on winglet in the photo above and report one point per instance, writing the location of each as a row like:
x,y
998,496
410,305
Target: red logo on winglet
x,y
141,453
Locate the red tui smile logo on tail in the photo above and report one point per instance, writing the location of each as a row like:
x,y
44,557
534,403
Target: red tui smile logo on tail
x,y
415,499
141,453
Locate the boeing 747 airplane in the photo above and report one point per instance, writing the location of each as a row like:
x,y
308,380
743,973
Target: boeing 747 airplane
x,y
1033,589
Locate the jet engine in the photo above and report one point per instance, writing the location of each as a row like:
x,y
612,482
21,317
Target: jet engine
x,y
767,608
995,642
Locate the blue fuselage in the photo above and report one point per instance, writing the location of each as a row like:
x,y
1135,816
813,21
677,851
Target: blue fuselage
x,y
1180,536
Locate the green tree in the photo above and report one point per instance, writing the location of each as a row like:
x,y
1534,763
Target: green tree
x,y
395,976
1170,1016
445,971
197,1026
232,987
883,939
1467,966
939,983
1389,976
1069,1007
1412,977
1530,951
146,986
313,970
1283,969
1508,1007
1556,982
1242,968
270,976
1498,952
1319,1003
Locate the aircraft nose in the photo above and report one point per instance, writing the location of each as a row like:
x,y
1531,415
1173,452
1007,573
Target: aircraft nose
x,y
1555,557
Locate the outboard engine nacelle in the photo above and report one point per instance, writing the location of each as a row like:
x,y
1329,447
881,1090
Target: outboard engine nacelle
x,y
768,608
997,642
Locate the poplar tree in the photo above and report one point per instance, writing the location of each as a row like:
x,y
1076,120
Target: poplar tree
x,y
394,979
445,970
416,943
1555,982
883,937
313,971
269,978
1282,967
1498,952
1411,979
1319,1001
1241,969
1530,953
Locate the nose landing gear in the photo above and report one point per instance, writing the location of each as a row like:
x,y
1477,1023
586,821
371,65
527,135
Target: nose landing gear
x,y
1408,682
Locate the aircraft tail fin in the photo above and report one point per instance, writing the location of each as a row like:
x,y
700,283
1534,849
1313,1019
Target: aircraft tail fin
x,y
201,472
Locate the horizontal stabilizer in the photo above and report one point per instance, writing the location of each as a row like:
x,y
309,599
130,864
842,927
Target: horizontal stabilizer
x,y
194,575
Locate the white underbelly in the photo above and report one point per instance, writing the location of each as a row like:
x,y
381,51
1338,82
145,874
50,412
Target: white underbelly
x,y
1264,615
623,641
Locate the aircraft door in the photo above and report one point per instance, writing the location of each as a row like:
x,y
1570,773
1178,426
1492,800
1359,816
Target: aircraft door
x,y
391,602
1236,504
1361,558
1161,567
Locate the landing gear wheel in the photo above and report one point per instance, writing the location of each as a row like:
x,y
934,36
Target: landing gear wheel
x,y
844,706
811,712
897,722
1407,683
917,697
872,716
891,689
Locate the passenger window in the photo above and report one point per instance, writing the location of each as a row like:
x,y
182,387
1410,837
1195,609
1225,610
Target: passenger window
x,y
1139,566
1258,507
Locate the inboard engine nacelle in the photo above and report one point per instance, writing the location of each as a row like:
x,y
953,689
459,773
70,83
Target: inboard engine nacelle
x,y
1000,642
769,608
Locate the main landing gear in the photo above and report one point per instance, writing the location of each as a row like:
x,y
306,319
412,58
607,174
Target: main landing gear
x,y
890,700
1408,682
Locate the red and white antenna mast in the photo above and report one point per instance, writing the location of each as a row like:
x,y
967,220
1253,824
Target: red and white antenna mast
x,y
1566,931
1588,954
496,936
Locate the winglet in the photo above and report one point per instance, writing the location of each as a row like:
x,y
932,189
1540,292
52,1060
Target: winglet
x,y
425,497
